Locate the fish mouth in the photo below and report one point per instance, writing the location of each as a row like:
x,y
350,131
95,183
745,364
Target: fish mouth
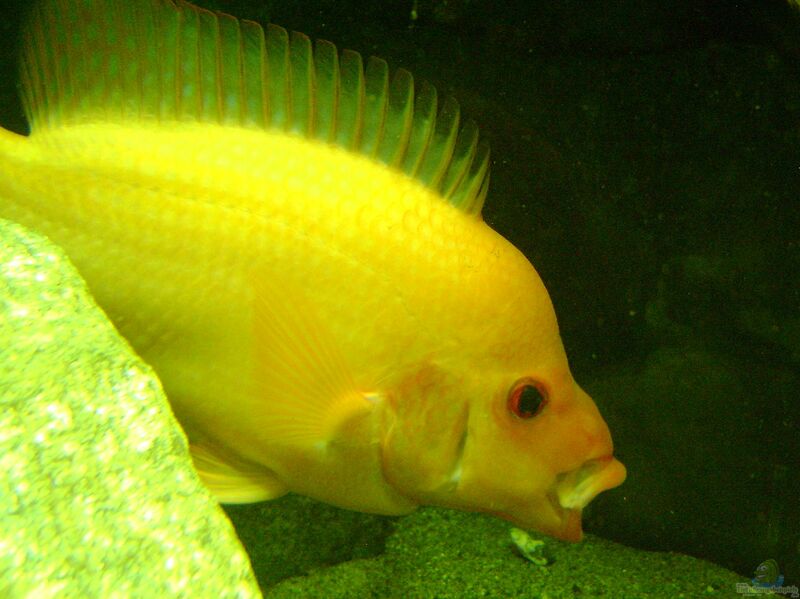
x,y
559,515
575,489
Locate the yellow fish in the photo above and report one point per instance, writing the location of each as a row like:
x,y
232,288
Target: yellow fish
x,y
293,240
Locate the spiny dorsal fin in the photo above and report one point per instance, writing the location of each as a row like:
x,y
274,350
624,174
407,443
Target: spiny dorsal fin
x,y
164,60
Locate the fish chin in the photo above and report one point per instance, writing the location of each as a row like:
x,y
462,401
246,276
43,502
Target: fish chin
x,y
570,528
549,518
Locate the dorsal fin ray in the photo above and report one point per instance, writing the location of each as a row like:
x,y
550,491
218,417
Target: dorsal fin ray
x,y
168,60
350,102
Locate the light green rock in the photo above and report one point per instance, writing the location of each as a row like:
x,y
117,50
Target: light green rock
x,y
97,494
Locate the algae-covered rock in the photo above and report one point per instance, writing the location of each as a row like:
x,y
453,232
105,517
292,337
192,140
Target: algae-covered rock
x,y
447,554
97,494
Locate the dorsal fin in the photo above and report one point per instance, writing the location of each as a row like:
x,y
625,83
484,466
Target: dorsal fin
x,y
165,61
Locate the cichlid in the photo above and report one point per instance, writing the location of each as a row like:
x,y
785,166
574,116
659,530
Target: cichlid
x,y
293,241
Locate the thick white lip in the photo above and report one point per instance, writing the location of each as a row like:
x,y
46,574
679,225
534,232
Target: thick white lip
x,y
575,489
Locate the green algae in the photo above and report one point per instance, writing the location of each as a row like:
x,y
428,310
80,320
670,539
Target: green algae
x,y
447,554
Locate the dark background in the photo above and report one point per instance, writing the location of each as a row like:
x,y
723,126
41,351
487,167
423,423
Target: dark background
x,y
645,158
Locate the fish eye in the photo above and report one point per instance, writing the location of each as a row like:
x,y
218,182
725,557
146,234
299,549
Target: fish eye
x,y
526,399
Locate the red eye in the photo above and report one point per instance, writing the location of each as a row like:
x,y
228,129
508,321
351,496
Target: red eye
x,y
527,399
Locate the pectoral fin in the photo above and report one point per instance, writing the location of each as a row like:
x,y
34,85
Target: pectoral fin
x,y
231,484
309,390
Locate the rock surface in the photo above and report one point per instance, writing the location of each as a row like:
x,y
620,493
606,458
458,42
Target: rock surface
x,y
306,550
97,494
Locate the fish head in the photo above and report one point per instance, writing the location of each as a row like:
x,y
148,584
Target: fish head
x,y
492,420
551,455
530,448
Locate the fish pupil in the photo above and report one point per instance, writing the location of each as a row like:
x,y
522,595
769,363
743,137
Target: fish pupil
x,y
529,402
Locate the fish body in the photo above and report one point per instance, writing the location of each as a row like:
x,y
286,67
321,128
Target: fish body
x,y
325,308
